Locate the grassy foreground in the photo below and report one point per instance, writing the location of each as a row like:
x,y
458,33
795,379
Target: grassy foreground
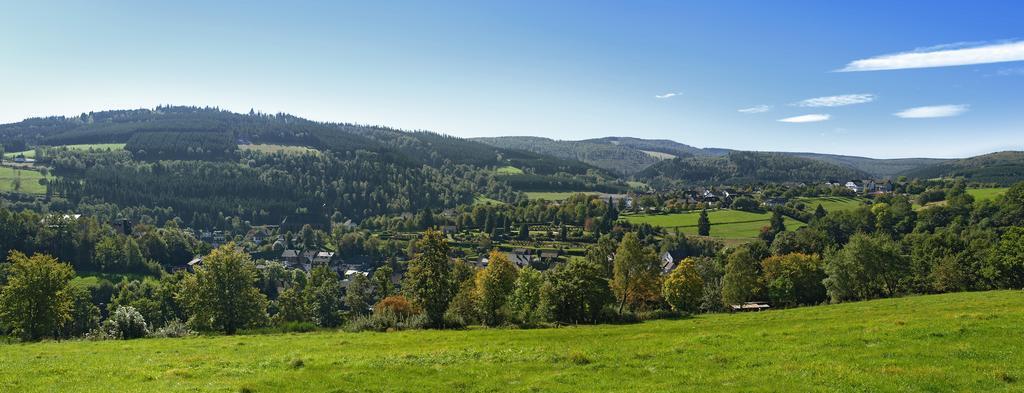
x,y
953,342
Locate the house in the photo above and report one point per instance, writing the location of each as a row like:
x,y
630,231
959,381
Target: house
x,y
258,235
520,260
290,256
323,257
449,229
853,186
668,262
774,202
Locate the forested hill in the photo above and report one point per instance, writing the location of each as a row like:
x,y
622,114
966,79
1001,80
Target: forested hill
x,y
740,167
628,156
1004,168
180,132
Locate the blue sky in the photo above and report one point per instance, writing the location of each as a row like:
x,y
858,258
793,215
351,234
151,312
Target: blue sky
x,y
570,70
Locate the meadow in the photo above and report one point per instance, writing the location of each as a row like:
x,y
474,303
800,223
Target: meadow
x,y
556,196
832,203
94,146
508,170
985,194
29,180
725,223
935,343
269,148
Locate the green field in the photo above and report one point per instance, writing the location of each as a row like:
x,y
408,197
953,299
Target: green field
x,y
29,180
482,200
94,146
508,170
729,224
556,196
267,148
938,343
984,194
832,203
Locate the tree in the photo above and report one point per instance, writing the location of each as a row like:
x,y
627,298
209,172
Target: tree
x,y
793,279
704,224
576,292
291,305
36,301
85,316
819,212
868,267
428,282
601,254
357,294
494,285
524,231
221,294
323,295
382,286
740,281
683,288
1005,267
636,273
524,304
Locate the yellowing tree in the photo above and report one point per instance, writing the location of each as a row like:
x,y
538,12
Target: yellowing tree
x,y
683,288
635,274
494,285
37,300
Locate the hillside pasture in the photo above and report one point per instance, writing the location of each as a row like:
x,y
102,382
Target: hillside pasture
x,y
508,170
29,180
286,149
556,196
937,343
986,194
725,223
832,204
31,153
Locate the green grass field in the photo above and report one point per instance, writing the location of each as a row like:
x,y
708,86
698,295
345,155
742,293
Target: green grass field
x,y
832,203
267,148
29,180
938,343
94,146
556,196
482,200
729,224
508,170
984,194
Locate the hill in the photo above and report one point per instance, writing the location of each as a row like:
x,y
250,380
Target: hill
x,y
952,342
1002,168
183,132
739,167
627,155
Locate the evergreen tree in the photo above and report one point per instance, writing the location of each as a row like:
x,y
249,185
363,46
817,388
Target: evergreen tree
x,y
704,224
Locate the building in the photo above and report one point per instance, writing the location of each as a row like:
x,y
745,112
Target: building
x,y
668,262
853,186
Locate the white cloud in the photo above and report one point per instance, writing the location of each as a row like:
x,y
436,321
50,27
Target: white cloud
x,y
806,118
941,56
840,100
667,95
927,112
755,109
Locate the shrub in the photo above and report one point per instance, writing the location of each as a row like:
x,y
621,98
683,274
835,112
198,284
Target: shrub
x,y
397,304
382,321
173,329
126,323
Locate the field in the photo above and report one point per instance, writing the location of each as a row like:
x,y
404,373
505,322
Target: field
x,y
482,200
266,148
508,170
729,224
832,203
29,180
98,146
556,196
937,343
983,194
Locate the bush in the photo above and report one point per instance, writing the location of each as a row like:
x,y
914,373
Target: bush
x,y
398,305
385,320
173,329
125,323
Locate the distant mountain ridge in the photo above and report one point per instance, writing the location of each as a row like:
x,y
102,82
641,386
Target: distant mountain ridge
x,y
609,153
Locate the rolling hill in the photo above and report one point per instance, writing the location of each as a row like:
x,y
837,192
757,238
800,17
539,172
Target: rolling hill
x,y
954,342
1002,168
628,156
739,167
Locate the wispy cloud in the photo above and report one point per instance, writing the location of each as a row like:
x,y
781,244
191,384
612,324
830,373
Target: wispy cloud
x,y
840,100
1010,72
927,112
941,56
807,118
755,109
667,95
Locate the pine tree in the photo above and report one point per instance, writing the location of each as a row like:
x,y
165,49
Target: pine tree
x,y
704,224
